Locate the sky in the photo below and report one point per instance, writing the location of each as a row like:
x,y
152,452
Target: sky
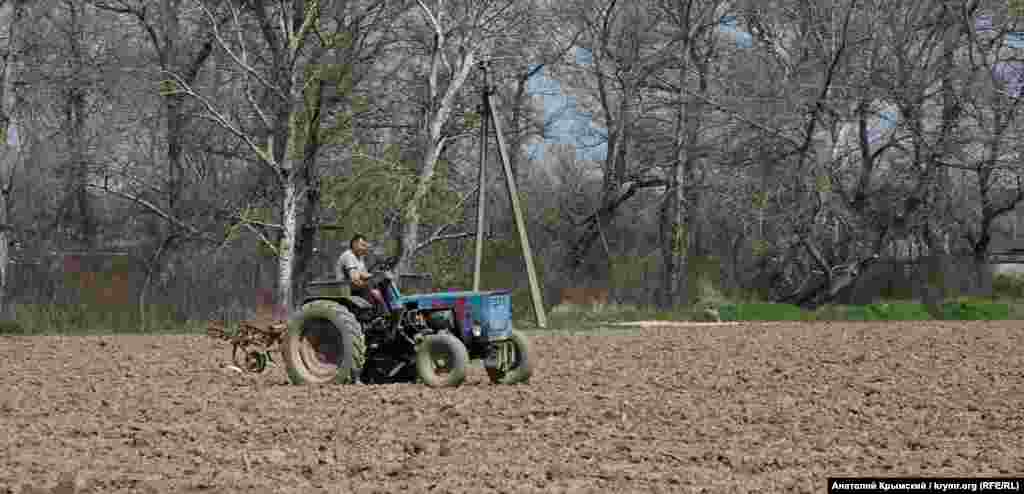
x,y
568,124
571,126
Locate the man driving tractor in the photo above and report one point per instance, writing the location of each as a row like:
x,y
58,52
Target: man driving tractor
x,y
351,267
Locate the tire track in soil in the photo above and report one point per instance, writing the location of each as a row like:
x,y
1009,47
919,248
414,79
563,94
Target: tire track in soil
x,y
741,408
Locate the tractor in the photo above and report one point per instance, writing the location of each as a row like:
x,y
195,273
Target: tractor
x,y
396,338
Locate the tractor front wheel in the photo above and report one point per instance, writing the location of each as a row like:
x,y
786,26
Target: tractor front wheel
x,y
520,367
441,361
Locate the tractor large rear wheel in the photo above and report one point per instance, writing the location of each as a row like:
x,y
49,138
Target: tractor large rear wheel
x,y
325,344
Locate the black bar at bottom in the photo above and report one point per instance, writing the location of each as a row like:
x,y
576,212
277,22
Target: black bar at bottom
x,y
929,485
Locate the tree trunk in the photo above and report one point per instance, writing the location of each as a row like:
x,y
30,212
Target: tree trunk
x,y
12,154
677,232
172,106
286,246
411,221
433,139
311,209
307,234
77,204
5,253
291,172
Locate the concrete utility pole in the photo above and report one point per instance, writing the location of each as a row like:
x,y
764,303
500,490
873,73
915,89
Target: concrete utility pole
x,y
490,116
481,198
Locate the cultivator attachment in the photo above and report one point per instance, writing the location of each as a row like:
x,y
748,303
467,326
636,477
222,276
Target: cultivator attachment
x,y
252,342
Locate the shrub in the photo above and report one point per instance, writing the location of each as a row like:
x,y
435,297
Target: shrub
x,y
760,312
965,311
896,312
1008,286
11,327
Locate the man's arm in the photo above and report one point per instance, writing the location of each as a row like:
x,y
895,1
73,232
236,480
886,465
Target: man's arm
x,y
359,278
340,271
348,268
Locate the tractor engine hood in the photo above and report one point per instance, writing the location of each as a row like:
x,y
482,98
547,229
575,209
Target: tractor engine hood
x,y
491,311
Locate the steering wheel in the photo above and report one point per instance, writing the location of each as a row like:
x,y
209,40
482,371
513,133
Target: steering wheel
x,y
385,265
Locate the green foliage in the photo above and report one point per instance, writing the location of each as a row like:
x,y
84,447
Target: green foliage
x,y
169,87
633,272
905,311
360,104
471,120
897,312
1016,310
551,217
1016,7
337,41
267,251
759,247
340,134
759,200
37,319
896,291
503,267
823,183
448,266
266,152
679,237
11,327
833,313
1008,286
298,134
305,124
936,280
965,311
379,185
760,312
255,214
705,281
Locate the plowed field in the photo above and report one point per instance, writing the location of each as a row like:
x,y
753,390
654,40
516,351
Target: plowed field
x,y
731,409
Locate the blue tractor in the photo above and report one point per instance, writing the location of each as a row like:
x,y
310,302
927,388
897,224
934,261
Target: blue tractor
x,y
388,337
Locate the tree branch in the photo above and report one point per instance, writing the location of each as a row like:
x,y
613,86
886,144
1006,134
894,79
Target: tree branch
x,y
669,87
220,119
634,187
262,236
234,56
438,238
153,208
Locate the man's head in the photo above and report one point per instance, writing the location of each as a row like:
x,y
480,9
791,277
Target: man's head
x,y
359,245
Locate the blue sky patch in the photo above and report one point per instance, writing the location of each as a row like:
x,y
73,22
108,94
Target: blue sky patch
x,y
584,56
1011,74
729,25
565,124
1015,39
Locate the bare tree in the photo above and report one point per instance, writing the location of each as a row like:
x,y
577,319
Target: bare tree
x,y
625,55
693,21
986,152
284,75
463,33
15,13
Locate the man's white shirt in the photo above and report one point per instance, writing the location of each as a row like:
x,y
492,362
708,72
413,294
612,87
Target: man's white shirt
x,y
347,262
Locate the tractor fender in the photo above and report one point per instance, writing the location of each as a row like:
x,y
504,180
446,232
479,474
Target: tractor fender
x,y
354,303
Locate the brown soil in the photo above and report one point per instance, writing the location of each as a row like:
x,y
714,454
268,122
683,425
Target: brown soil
x,y
728,408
